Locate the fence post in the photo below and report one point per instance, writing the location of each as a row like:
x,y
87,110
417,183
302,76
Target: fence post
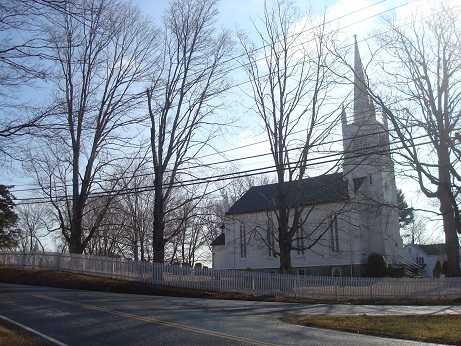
x,y
439,291
140,269
33,259
405,290
212,274
58,261
336,290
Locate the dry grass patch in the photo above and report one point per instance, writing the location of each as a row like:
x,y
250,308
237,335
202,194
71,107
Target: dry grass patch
x,y
429,328
13,335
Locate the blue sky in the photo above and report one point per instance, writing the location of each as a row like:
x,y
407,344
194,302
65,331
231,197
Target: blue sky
x,y
353,17
241,12
356,17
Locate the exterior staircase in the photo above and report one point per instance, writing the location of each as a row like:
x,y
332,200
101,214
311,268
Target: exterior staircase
x,y
411,269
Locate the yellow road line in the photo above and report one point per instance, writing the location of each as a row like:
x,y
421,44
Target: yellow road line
x,y
157,321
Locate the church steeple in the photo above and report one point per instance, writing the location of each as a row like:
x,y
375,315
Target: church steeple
x,y
368,168
364,110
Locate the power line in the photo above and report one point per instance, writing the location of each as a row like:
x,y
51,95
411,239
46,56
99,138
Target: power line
x,y
331,158
208,165
245,158
310,29
227,161
310,40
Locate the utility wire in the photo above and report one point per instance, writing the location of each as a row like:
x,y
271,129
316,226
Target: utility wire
x,y
208,165
331,158
255,156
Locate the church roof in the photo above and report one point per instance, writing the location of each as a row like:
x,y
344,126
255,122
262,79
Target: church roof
x,y
317,190
220,240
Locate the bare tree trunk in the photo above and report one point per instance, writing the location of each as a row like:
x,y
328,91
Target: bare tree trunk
x,y
444,194
159,220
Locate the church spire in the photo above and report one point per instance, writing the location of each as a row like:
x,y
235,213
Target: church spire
x,y
364,110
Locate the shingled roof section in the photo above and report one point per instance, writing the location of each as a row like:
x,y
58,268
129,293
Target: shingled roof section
x,y
220,240
318,190
434,249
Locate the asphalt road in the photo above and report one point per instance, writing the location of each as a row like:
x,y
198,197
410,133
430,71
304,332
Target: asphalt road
x,y
71,317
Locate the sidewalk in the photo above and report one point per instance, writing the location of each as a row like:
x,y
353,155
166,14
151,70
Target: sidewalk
x,y
346,309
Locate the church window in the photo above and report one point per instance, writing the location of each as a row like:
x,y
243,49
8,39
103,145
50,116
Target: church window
x,y
334,236
370,179
243,241
336,271
419,260
300,241
270,239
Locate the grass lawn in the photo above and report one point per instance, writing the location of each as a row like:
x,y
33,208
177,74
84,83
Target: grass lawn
x,y
444,329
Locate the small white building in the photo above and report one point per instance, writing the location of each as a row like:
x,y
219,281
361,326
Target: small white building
x,y
346,215
426,256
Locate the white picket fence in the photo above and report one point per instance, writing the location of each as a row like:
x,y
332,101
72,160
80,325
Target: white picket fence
x,y
322,287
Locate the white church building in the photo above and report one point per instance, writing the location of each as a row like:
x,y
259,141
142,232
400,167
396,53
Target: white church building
x,y
349,215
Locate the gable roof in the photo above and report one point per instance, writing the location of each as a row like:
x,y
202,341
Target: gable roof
x,y
434,249
317,190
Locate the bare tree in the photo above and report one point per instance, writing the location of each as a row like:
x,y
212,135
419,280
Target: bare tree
x,y
212,220
416,232
183,98
422,79
107,239
126,228
185,236
103,49
33,224
290,81
136,208
22,55
21,44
